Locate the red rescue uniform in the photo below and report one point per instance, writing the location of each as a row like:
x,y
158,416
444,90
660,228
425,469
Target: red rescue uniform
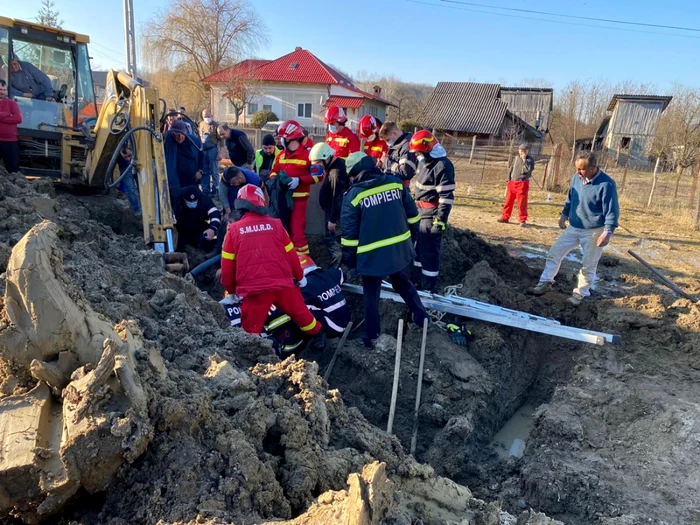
x,y
376,149
258,263
296,164
343,143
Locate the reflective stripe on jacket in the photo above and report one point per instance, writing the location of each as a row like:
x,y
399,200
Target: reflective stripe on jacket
x,y
435,183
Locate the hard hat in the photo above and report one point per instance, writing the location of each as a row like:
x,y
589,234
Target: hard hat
x,y
422,141
290,130
251,194
335,114
307,264
367,126
359,161
321,151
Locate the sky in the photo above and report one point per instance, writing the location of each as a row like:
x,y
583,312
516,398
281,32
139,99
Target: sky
x,y
433,40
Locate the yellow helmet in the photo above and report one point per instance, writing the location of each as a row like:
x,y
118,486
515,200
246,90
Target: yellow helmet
x,y
321,151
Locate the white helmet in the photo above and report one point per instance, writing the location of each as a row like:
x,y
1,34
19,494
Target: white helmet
x,y
321,151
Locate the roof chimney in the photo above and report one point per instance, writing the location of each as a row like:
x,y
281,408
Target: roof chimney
x,y
377,91
298,48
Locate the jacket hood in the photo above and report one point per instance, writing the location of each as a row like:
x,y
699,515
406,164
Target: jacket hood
x,y
368,176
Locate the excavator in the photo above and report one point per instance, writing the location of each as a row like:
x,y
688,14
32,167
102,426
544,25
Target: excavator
x,y
67,138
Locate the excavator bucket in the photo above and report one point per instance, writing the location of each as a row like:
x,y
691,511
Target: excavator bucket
x,y
176,263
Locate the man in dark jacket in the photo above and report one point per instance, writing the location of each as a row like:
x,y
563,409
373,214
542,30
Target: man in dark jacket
x,y
240,150
183,156
378,218
435,186
518,185
400,161
27,80
330,197
198,220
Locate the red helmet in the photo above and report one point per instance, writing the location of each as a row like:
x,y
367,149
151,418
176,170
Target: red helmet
x,y
307,263
252,194
335,114
367,126
290,130
422,141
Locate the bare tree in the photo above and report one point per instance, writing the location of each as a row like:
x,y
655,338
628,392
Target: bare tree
x,y
409,97
204,36
679,127
239,88
47,15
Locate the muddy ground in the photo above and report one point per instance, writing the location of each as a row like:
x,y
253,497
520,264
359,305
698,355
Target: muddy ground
x,y
241,438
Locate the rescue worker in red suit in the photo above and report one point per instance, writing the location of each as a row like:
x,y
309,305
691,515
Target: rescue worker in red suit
x,y
258,263
368,130
294,162
339,137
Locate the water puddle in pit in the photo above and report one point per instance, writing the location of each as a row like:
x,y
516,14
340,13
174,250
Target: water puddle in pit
x,y
510,440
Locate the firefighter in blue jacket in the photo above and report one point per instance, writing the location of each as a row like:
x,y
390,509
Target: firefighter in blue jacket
x,y
434,191
377,220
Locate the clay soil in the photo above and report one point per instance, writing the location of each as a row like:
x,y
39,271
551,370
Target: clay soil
x,y
241,438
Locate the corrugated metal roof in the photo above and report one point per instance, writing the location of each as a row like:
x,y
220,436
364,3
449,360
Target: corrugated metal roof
x,y
639,98
467,107
344,102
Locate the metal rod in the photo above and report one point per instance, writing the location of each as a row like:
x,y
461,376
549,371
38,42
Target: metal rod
x,y
395,387
502,316
663,279
414,436
328,371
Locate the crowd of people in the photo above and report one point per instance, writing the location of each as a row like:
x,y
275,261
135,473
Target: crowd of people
x,y
386,195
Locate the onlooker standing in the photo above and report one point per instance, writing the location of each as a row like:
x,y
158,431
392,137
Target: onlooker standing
x,y
209,135
10,116
183,156
265,157
593,212
240,150
518,185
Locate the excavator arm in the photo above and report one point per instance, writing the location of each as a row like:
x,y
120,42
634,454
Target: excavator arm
x,y
130,115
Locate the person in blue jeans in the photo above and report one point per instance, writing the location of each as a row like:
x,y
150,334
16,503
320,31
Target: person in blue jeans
x,y
128,183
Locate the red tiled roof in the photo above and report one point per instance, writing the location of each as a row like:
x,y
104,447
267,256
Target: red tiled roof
x,y
236,71
344,102
299,66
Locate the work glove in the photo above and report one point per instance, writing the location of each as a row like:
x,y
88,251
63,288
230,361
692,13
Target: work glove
x,y
302,283
438,227
293,183
459,334
562,221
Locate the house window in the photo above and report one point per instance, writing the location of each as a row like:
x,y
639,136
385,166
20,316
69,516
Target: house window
x,y
252,108
625,142
267,107
304,110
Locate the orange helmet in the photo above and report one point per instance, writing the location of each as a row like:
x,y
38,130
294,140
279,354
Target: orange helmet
x,y
251,194
422,141
335,114
307,263
368,126
290,130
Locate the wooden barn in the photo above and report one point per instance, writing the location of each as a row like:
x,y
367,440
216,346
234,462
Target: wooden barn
x,y
628,132
460,110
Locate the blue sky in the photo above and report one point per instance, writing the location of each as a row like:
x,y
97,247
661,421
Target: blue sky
x,y
427,41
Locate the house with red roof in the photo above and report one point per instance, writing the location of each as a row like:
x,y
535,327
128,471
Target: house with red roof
x,y
295,86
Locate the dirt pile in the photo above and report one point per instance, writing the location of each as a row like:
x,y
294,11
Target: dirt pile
x,y
234,434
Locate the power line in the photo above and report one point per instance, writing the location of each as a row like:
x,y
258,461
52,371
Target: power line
x,y
551,21
594,19
118,53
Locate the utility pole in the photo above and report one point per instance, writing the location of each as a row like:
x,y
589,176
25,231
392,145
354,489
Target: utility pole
x,y
129,38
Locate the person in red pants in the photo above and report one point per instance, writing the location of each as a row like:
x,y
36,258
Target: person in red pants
x,y
294,163
259,264
518,185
